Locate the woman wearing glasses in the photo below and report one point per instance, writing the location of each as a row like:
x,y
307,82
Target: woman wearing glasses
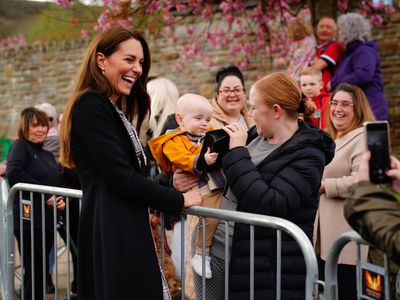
x,y
229,103
229,106
274,169
348,110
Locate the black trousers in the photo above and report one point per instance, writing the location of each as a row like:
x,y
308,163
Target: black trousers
x,y
347,280
73,233
29,281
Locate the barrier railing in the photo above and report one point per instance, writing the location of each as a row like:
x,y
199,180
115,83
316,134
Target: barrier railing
x,y
7,239
375,273
7,230
280,225
311,288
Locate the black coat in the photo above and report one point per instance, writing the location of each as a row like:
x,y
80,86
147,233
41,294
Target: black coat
x,y
28,162
117,258
285,184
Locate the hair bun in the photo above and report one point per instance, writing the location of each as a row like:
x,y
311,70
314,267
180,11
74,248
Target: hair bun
x,y
302,106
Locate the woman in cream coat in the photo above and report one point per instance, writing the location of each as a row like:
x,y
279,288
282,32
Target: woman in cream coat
x,y
348,110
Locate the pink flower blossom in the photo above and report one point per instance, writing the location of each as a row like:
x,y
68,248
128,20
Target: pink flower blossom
x,y
207,11
21,41
189,31
234,50
226,7
264,24
13,42
178,67
154,5
244,64
376,20
84,34
180,7
239,6
64,3
342,5
389,10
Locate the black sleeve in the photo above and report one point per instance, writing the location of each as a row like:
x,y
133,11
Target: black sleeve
x,y
97,127
70,178
201,164
16,170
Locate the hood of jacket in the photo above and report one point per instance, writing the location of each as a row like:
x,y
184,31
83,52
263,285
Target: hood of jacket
x,y
305,136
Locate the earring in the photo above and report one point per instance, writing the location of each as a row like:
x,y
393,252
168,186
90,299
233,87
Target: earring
x,y
103,71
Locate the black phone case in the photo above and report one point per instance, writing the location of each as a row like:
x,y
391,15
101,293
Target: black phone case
x,y
379,148
218,141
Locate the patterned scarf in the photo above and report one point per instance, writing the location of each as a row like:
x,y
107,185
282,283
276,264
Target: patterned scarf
x,y
142,160
137,146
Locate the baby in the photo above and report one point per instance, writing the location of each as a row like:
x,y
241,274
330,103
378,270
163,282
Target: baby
x,y
181,149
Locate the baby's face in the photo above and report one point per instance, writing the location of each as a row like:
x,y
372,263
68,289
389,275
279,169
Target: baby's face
x,y
310,86
197,119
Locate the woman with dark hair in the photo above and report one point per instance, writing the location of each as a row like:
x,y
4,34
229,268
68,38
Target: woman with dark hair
x,y
348,110
229,106
229,102
28,162
116,252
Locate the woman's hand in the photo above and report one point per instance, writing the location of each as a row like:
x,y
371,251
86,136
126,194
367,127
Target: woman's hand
x,y
192,198
237,135
60,203
184,181
210,157
394,172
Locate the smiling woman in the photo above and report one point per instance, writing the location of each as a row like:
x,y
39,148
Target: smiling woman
x,y
116,254
28,162
123,67
348,110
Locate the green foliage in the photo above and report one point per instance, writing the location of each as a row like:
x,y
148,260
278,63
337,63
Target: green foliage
x,y
56,23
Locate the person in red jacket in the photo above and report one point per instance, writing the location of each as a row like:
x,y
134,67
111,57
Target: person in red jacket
x,y
312,87
328,51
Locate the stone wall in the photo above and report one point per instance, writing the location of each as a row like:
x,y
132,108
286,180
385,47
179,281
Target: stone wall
x,y
389,48
46,73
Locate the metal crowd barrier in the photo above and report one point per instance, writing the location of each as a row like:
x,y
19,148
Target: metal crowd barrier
x,y
4,244
311,288
372,280
7,234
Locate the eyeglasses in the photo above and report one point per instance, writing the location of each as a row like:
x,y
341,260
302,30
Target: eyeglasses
x,y
237,91
343,104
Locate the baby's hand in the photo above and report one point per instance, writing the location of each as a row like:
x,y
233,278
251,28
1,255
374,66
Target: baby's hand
x,y
210,157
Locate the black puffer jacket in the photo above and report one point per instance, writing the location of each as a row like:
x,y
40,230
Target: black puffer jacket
x,y
284,185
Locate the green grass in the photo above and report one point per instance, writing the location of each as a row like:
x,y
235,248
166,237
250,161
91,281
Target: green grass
x,y
45,21
57,23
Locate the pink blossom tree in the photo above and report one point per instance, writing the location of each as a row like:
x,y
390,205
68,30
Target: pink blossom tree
x,y
243,27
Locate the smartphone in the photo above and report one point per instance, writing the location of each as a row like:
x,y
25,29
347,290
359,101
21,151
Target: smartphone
x,y
378,143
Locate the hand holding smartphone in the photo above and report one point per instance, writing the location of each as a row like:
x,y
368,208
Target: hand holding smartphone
x,y
378,143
